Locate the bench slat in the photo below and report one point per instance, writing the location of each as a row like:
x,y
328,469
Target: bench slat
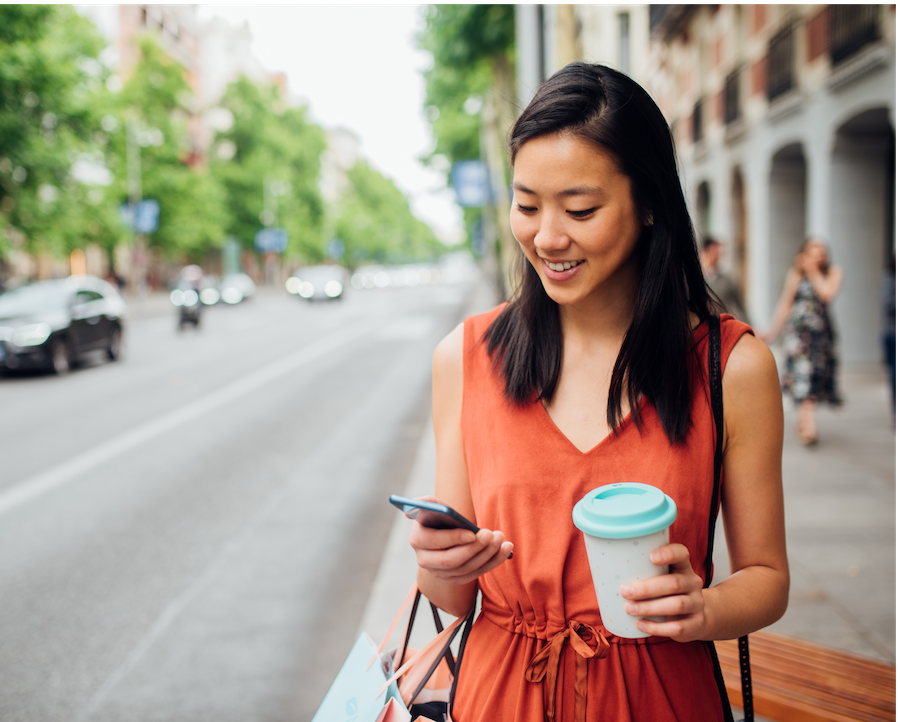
x,y
797,681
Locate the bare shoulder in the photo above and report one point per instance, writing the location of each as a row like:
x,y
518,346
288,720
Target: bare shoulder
x,y
751,393
751,367
448,354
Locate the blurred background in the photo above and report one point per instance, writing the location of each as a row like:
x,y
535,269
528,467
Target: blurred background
x,y
267,218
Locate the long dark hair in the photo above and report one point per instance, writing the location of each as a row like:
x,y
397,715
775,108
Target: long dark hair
x,y
609,109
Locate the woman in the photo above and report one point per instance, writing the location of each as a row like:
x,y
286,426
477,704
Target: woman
x,y
809,338
593,375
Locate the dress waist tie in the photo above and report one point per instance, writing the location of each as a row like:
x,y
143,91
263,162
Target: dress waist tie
x,y
545,665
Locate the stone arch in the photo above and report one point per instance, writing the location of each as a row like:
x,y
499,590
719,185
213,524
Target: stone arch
x,y
862,225
787,217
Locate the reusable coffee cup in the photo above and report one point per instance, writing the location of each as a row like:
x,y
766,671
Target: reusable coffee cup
x,y
622,525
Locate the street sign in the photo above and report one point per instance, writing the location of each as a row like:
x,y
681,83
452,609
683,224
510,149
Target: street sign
x,y
271,240
470,181
336,248
141,217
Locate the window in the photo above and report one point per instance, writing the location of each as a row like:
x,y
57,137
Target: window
x,y
852,27
781,62
733,97
698,121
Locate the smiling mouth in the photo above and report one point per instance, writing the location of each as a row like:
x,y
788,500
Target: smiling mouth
x,y
563,266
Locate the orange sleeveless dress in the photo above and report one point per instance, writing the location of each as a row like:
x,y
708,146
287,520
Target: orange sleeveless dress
x,y
540,632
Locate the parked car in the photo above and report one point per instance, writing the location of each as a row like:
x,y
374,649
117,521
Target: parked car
x,y
318,282
52,324
236,287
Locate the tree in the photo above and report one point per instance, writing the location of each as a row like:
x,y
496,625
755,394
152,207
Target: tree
x,y
149,119
270,151
373,220
470,97
51,97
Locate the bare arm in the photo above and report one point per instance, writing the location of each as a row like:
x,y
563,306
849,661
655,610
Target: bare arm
x,y
827,284
755,594
450,561
783,308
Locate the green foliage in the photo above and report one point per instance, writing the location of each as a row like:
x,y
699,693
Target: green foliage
x,y
51,92
153,109
467,43
269,143
374,222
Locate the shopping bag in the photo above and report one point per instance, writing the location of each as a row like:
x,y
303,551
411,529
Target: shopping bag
x,y
359,693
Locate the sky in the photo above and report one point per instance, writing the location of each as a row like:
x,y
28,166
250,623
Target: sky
x,y
359,68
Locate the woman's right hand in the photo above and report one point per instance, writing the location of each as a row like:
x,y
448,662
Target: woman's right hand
x,y
458,556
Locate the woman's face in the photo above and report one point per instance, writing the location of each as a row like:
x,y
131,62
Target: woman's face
x,y
574,216
817,254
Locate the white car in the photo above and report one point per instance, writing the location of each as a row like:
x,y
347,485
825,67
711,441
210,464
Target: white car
x,y
236,287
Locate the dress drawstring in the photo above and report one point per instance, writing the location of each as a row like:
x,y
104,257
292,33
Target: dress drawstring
x,y
545,665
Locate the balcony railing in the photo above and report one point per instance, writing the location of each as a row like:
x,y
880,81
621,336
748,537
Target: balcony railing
x,y
781,62
733,97
852,28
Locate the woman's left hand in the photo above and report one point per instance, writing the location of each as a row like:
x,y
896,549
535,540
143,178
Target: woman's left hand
x,y
678,596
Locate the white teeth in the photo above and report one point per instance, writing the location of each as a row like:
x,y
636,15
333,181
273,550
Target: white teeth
x,y
564,266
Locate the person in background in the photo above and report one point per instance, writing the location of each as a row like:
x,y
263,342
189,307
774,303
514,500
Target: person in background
x,y
803,317
889,332
722,285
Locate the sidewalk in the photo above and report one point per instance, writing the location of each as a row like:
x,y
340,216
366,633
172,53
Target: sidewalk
x,y
840,516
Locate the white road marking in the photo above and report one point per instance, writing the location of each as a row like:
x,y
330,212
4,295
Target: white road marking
x,y
65,472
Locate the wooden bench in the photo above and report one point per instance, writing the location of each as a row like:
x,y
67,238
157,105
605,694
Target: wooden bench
x,y
797,681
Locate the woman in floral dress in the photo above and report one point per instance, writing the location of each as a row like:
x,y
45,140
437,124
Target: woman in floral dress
x,y
802,316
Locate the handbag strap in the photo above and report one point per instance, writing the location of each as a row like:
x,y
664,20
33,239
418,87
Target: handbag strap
x,y
715,397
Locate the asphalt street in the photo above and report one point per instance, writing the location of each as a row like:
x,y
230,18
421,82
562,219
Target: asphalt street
x,y
192,533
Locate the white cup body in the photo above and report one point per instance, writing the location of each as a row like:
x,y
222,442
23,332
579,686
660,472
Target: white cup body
x,y
615,562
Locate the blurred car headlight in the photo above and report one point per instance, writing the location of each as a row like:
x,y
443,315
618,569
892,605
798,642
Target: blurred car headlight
x,y
306,289
358,281
382,279
32,334
209,296
191,297
292,285
333,289
232,295
177,297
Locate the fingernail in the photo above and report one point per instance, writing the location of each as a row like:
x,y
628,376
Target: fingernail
x,y
626,590
631,608
510,555
656,557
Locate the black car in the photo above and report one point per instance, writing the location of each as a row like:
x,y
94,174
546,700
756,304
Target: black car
x,y
51,324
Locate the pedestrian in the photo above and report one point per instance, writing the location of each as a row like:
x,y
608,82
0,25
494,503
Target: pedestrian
x,y
722,285
802,315
595,374
889,331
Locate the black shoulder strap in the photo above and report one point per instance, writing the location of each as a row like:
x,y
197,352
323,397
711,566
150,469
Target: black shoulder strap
x,y
715,398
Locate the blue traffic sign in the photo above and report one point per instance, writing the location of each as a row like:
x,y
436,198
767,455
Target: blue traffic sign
x,y
141,217
470,181
271,240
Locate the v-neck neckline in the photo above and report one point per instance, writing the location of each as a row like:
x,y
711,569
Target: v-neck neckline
x,y
626,420
696,337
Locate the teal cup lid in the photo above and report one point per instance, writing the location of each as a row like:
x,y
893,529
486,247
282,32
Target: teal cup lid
x,y
624,511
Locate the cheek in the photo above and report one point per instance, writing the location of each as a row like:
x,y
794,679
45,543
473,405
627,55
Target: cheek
x,y
522,229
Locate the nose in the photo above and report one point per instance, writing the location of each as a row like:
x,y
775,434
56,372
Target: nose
x,y
551,235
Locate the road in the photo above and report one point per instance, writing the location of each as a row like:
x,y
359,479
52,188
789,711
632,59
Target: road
x,y
192,533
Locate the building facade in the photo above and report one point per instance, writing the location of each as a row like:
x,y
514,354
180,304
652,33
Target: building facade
x,y
784,119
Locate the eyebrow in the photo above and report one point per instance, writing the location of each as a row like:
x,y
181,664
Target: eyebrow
x,y
582,190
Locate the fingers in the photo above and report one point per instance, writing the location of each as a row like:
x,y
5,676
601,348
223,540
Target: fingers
x,y
677,597
457,555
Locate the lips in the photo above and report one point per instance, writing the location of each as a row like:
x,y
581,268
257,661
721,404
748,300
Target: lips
x,y
561,270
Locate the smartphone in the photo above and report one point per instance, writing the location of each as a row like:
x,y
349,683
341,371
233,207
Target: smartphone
x,y
431,514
